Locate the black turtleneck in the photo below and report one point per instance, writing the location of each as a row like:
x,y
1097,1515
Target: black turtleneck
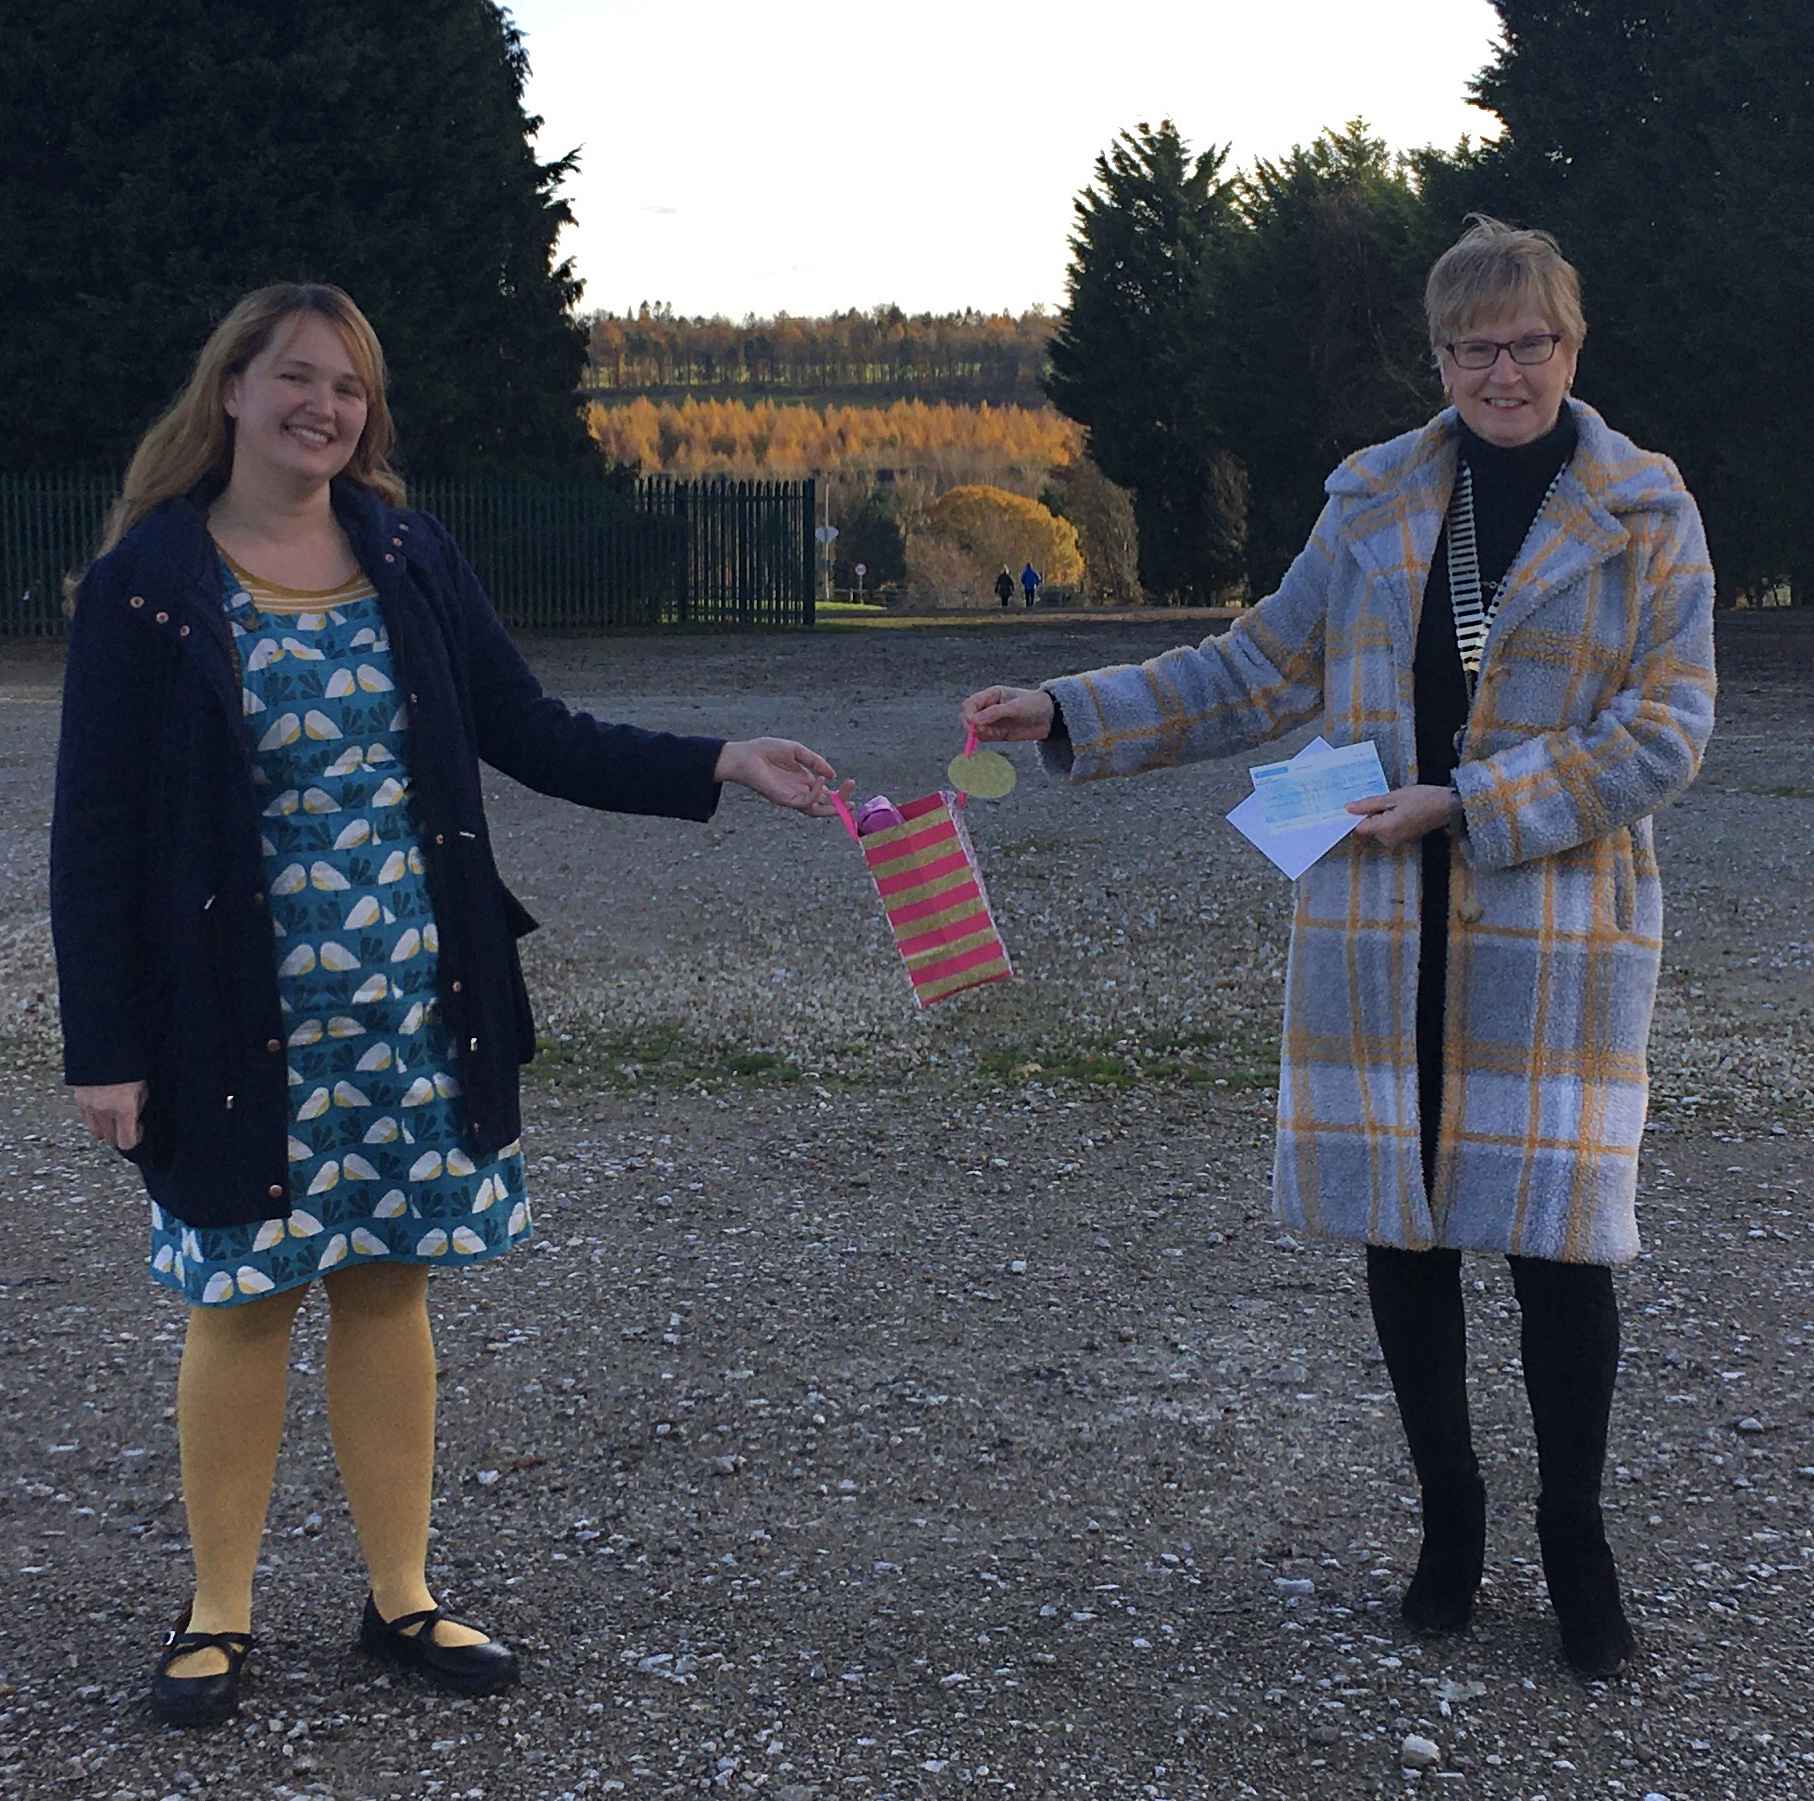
x,y
1509,486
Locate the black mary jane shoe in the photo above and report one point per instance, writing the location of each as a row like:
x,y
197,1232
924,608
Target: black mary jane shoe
x,y
198,1700
465,1669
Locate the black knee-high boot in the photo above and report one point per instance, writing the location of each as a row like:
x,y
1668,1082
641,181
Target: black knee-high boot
x,y
1571,1361
1416,1300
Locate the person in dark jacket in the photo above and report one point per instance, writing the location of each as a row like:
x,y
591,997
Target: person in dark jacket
x,y
1004,586
288,972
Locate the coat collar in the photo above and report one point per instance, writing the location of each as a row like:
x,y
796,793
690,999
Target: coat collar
x,y
1394,496
173,537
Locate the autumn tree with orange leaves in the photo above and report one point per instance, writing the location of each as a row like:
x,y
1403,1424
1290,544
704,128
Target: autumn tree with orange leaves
x,y
990,530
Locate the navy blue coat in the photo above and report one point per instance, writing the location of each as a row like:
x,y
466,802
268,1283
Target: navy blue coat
x,y
166,960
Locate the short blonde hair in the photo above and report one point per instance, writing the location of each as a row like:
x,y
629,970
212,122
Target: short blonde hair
x,y
1498,268
195,437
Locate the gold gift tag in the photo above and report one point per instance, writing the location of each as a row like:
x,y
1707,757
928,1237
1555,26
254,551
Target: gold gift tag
x,y
987,775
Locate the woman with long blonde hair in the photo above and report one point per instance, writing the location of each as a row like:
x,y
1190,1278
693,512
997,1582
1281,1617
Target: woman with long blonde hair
x,y
288,971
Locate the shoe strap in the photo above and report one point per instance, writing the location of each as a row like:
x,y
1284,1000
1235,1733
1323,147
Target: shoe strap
x,y
429,1618
180,1644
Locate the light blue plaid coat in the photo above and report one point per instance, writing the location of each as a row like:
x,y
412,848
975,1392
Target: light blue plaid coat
x,y
1594,704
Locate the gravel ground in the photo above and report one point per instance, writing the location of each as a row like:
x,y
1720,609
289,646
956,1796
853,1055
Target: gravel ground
x,y
898,1405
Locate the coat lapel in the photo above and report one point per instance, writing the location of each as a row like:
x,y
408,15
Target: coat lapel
x,y
1402,492
1573,535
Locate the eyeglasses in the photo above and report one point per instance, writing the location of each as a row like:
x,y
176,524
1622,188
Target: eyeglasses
x,y
1483,353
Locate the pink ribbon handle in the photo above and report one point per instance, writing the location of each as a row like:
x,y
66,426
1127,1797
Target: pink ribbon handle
x,y
963,800
850,819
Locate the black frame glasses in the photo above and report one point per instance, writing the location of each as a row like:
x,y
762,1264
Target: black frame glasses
x,y
1539,347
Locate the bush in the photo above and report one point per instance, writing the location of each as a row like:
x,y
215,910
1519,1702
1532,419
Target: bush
x,y
943,574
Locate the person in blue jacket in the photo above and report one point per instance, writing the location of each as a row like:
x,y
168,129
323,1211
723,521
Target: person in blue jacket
x,y
288,972
1029,583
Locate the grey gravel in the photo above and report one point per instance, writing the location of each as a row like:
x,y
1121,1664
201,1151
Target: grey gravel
x,y
898,1405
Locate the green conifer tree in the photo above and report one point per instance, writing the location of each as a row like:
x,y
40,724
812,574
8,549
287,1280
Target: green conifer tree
x,y
1136,359
162,161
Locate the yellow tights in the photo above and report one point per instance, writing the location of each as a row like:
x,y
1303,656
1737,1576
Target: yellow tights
x,y
381,1412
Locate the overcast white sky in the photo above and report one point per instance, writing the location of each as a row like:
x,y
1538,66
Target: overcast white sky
x,y
742,157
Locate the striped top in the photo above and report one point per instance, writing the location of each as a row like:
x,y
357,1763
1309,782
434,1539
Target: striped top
x,y
273,597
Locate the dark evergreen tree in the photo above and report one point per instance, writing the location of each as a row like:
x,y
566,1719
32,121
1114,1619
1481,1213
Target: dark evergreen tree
x,y
1324,320
161,161
1670,147
1137,356
871,535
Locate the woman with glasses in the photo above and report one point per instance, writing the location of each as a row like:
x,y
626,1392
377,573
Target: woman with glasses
x,y
1514,604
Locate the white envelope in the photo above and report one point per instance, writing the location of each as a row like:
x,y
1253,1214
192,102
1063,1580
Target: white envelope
x,y
1292,848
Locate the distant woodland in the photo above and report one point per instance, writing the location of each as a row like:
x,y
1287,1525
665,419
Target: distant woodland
x,y
881,354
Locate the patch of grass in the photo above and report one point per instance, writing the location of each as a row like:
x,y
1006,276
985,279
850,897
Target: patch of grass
x,y
1098,1069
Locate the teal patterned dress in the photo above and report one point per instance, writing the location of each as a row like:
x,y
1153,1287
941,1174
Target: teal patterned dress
x,y
377,1170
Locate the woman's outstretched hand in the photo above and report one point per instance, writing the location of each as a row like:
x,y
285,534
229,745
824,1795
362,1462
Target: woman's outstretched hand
x,y
1403,816
1005,714
113,1112
784,772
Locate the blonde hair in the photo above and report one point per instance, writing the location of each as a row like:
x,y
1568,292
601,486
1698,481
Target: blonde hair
x,y
194,438
1498,268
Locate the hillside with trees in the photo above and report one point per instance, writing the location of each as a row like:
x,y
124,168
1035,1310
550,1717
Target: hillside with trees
x,y
876,356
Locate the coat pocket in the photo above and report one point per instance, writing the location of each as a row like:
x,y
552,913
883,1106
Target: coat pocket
x,y
1624,881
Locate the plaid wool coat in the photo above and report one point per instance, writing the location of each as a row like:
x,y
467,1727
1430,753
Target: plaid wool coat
x,y
1594,704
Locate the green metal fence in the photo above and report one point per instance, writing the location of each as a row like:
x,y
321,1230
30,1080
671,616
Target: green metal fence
x,y
553,555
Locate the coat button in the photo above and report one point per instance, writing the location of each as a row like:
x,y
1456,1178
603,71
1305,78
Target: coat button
x,y
273,1045
455,986
440,837
258,900
472,1044
412,697
389,558
182,631
138,600
275,1191
397,541
163,618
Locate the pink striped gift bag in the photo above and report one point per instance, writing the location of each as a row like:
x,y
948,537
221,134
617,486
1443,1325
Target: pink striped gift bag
x,y
926,872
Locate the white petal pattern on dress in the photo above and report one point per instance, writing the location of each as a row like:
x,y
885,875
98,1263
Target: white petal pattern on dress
x,y
337,838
